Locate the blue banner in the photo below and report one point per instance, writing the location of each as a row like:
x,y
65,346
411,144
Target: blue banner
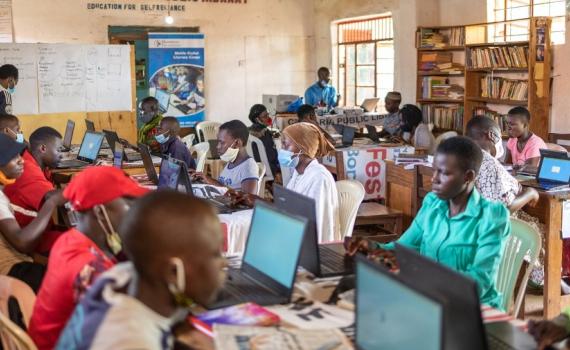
x,y
176,75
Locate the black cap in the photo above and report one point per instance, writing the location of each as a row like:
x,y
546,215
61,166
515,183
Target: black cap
x,y
9,149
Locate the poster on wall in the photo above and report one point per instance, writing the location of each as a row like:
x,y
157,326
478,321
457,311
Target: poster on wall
x,y
176,75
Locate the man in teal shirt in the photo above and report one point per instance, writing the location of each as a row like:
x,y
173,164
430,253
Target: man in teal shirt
x,y
321,93
456,226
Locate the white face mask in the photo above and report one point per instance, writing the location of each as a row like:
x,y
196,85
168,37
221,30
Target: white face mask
x,y
499,149
111,236
230,155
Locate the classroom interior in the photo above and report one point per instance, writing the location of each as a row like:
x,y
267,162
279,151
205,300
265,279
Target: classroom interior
x,y
209,107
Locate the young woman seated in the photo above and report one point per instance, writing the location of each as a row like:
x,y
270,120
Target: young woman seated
x,y
523,147
413,129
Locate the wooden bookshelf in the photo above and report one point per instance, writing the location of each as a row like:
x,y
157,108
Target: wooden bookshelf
x,y
492,64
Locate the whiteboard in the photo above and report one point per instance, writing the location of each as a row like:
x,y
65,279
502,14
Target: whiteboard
x,y
59,78
24,57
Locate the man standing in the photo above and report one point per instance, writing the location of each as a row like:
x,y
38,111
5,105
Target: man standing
x,y
8,82
393,120
321,93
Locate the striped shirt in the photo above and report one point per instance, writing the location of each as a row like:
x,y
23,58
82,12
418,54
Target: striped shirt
x,y
5,101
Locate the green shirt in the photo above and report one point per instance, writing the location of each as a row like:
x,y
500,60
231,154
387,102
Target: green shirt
x,y
470,243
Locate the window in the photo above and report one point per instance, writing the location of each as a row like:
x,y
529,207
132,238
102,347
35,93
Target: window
x,y
365,60
505,10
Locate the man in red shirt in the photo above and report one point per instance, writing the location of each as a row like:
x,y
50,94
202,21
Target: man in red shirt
x,y
100,198
29,192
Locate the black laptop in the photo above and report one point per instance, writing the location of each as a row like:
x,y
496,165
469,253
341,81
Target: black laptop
x,y
321,260
269,266
90,125
148,163
373,133
553,171
88,152
174,176
393,314
113,140
463,323
68,136
347,133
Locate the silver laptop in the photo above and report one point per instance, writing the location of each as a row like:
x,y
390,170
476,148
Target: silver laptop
x,y
369,104
88,151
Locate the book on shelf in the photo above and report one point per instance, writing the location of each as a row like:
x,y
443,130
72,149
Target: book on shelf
x,y
439,62
457,36
499,57
504,89
434,38
443,116
441,88
499,118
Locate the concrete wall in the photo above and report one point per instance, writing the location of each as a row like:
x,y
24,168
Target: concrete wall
x,y
264,46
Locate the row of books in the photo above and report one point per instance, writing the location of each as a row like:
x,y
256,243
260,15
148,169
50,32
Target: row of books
x,y
457,36
440,87
439,62
434,38
446,116
500,119
499,57
504,89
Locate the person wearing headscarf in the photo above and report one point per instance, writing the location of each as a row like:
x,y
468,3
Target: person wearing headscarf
x,y
303,143
260,128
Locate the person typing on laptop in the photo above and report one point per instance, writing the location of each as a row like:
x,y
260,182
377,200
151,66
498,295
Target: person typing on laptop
x,y
392,121
170,143
241,171
306,114
303,143
30,191
173,243
456,226
523,147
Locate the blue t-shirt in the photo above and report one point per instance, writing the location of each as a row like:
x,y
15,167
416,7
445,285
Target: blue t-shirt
x,y
315,94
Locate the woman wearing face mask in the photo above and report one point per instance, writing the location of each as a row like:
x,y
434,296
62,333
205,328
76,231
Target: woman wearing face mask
x,y
414,131
99,197
8,82
261,122
150,118
241,171
303,143
173,242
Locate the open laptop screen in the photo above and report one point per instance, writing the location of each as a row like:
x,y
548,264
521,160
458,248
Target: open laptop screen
x,y
163,98
392,315
90,146
169,174
274,244
554,169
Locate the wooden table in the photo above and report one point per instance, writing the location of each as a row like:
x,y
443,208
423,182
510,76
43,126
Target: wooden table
x,y
400,192
372,213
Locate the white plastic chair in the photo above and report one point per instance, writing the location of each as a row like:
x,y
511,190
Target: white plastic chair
x,y
201,151
443,137
13,337
261,182
207,131
350,196
262,155
189,140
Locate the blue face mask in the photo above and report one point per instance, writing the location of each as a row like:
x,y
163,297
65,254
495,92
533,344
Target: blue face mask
x,y
11,90
20,138
161,138
286,158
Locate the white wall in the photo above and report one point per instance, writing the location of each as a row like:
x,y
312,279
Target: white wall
x,y
265,46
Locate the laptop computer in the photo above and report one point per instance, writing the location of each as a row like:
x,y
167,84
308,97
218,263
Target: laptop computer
x,y
88,151
347,133
163,98
553,171
68,136
118,155
393,314
174,176
464,327
148,163
269,266
113,140
321,260
373,133
369,104
90,125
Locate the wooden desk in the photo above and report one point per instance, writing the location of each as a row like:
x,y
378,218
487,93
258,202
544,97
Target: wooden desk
x,y
130,170
400,192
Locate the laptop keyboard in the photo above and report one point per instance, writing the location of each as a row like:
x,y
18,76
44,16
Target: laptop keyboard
x,y
331,261
71,164
495,343
244,288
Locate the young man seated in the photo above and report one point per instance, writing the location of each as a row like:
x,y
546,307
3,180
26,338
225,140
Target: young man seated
x,y
523,146
306,114
100,198
170,143
16,242
241,171
10,126
456,226
173,242
31,190
494,182
303,143
149,117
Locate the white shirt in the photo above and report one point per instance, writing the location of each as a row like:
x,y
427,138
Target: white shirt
x,y
8,255
233,177
317,183
495,183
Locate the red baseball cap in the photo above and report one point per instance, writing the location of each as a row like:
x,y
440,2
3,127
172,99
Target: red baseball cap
x,y
100,185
